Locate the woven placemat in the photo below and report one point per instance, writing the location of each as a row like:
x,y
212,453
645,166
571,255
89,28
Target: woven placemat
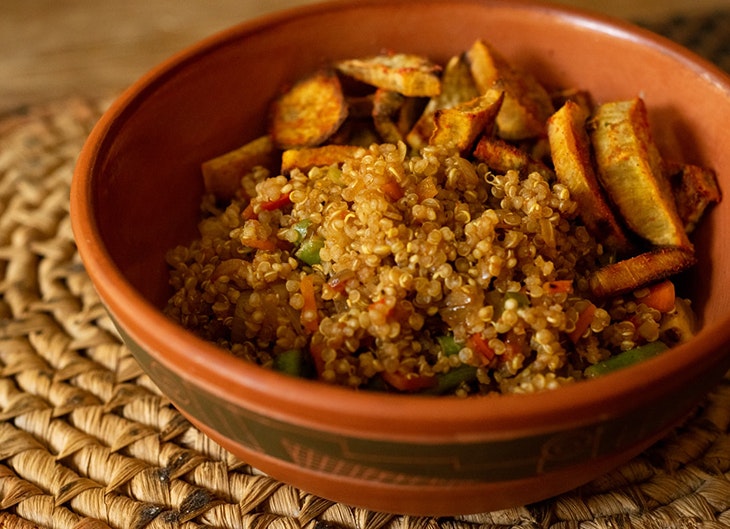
x,y
87,440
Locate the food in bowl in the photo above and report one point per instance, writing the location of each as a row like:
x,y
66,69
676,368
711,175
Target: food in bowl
x,y
137,193
458,230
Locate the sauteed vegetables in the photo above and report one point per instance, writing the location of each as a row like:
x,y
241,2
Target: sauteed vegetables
x,y
443,229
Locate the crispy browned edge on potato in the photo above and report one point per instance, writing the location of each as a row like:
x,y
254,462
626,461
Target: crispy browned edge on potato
x,y
695,189
308,113
631,170
407,74
306,158
457,86
503,156
615,130
222,174
571,155
387,105
460,126
527,104
634,272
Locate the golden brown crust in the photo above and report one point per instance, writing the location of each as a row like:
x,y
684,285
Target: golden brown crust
x,y
222,174
527,105
461,125
638,271
502,156
631,171
571,156
309,113
695,189
410,75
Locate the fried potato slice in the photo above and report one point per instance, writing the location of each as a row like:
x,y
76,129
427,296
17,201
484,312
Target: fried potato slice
x,y
407,74
222,174
571,155
306,158
582,98
386,107
695,189
538,149
461,125
639,271
410,113
457,86
527,105
358,132
309,113
502,156
631,171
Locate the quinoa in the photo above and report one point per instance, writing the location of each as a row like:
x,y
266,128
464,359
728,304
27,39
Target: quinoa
x,y
459,254
403,226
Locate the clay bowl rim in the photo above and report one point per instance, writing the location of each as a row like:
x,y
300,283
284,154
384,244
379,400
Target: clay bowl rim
x,y
361,413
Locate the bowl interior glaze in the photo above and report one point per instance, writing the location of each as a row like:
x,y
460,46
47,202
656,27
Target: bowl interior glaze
x,y
137,191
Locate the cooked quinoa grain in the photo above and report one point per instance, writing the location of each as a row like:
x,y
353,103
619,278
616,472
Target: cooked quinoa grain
x,y
395,277
412,265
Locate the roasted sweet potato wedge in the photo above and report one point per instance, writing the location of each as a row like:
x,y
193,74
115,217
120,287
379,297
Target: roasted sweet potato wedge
x,y
461,125
457,86
631,171
308,113
502,156
571,155
360,132
409,114
222,174
695,189
387,105
582,98
410,75
306,158
635,272
527,105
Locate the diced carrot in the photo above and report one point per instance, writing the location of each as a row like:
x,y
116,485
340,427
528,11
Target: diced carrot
x,y
270,205
410,382
661,296
393,190
558,286
481,348
338,283
584,321
248,212
310,318
380,305
277,203
259,244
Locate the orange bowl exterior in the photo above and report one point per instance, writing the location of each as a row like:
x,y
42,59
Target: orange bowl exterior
x,y
136,194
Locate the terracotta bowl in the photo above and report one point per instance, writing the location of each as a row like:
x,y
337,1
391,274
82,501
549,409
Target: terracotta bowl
x,y
137,190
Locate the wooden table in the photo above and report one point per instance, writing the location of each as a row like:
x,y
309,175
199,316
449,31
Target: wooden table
x,y
52,49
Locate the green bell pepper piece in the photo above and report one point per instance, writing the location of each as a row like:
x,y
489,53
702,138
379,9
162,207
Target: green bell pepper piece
x,y
626,359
